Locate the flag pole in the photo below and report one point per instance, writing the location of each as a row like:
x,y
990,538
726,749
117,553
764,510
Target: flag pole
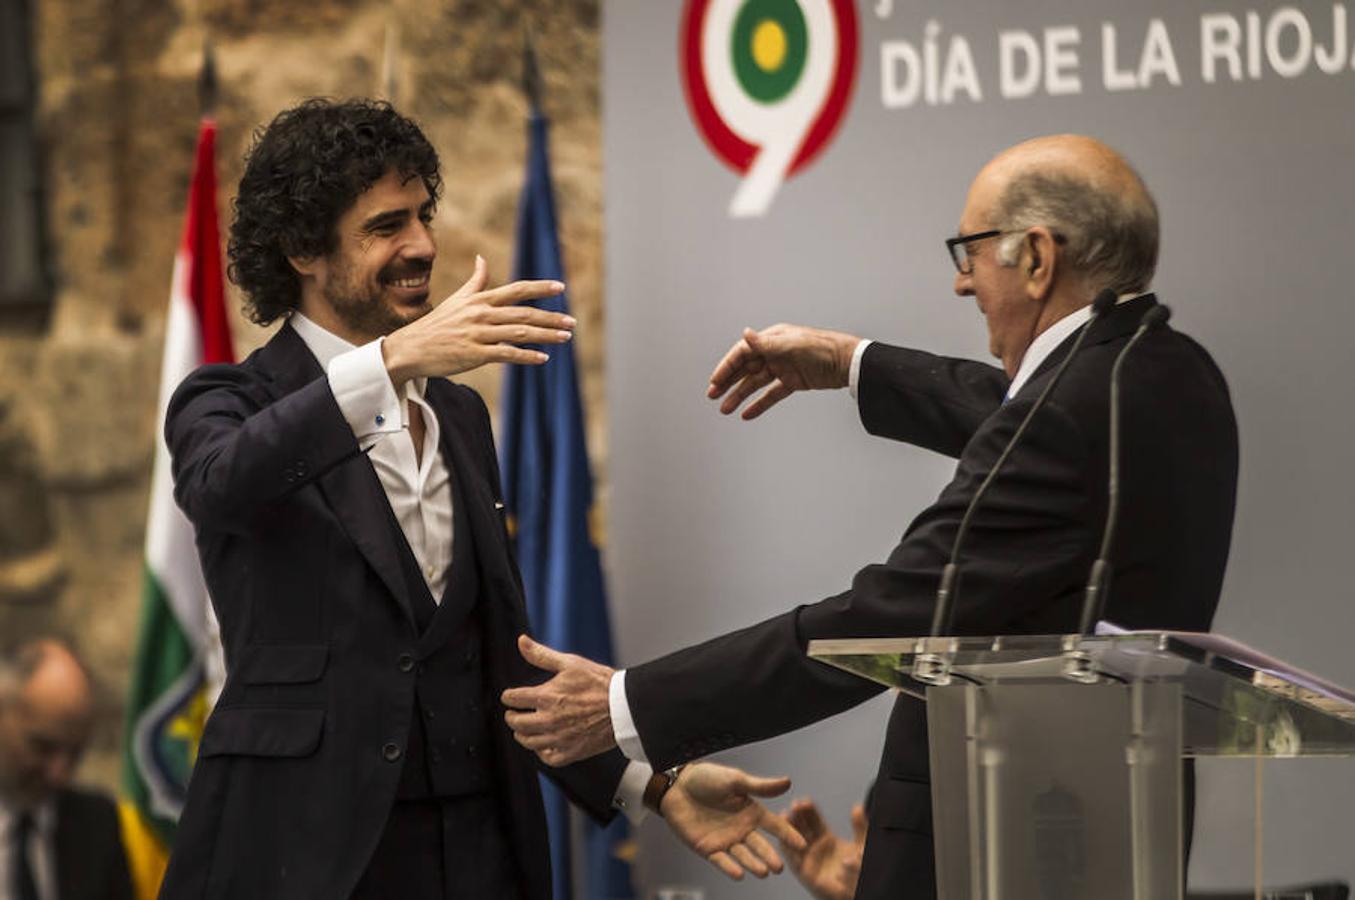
x,y
531,71
389,57
207,82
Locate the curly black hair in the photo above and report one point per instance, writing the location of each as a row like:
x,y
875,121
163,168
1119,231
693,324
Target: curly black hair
x,y
303,172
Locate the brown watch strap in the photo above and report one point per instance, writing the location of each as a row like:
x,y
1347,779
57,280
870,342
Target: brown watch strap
x,y
658,786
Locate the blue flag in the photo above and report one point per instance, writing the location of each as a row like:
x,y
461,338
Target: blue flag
x,y
548,490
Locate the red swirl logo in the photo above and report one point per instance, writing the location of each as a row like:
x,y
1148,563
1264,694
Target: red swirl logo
x,y
768,83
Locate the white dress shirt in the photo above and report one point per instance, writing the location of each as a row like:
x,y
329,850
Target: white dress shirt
x,y
41,850
419,490
623,724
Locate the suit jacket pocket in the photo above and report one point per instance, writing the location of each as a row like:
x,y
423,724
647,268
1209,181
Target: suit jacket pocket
x,y
283,663
903,805
260,731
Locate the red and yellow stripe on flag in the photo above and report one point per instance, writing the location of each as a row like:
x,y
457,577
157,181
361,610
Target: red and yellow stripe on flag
x,y
170,692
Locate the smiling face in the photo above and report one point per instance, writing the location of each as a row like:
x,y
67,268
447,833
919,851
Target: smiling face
x,y
376,278
1002,292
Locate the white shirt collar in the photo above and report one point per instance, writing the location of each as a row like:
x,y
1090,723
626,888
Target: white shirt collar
x,y
326,345
1051,337
44,818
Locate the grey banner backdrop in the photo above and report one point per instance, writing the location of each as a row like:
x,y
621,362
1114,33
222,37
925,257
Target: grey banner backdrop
x,y
1241,118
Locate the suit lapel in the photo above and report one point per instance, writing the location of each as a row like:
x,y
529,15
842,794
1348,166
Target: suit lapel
x,y
352,489
468,474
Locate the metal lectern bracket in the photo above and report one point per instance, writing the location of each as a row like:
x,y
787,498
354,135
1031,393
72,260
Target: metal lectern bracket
x,y
933,668
1077,663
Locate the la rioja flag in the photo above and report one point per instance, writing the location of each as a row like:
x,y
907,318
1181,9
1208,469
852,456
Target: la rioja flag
x,y
170,692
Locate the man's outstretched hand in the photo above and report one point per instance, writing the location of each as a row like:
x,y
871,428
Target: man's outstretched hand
x,y
568,718
828,866
783,359
477,325
713,810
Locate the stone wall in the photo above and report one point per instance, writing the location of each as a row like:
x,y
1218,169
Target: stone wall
x,y
117,116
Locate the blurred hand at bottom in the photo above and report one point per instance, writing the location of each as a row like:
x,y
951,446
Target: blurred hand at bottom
x,y
713,810
829,865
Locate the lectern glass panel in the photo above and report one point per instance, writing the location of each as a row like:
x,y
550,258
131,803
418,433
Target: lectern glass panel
x,y
1236,701
1056,760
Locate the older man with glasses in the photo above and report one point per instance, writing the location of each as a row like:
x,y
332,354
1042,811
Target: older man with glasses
x,y
1047,226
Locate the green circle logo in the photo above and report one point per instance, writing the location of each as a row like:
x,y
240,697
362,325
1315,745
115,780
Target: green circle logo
x,y
769,47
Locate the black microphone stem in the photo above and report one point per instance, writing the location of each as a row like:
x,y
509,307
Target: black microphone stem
x,y
948,591
1098,582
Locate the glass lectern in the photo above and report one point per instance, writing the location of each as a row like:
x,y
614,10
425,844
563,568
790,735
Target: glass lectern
x,y
1055,760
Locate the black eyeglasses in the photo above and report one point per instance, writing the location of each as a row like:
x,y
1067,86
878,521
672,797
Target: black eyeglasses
x,y
958,247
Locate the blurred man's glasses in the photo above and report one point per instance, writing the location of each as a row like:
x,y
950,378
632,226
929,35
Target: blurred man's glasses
x,y
958,247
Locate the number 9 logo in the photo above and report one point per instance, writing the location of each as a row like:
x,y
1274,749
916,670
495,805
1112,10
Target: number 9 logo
x,y
768,82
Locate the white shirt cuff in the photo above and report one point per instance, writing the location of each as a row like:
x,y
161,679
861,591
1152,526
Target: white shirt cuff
x,y
623,726
362,387
854,372
630,793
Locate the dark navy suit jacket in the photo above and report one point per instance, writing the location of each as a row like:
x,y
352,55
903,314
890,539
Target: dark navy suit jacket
x,y
1025,563
294,779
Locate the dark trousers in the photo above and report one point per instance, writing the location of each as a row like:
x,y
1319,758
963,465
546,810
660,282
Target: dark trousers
x,y
442,848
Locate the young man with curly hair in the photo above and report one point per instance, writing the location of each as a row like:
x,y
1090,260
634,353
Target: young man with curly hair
x,y
346,500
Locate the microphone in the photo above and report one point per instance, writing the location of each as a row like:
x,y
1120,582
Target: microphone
x,y
949,589
1098,582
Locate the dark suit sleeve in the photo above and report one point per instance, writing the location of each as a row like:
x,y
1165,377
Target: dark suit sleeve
x,y
1028,543
591,783
936,402
235,450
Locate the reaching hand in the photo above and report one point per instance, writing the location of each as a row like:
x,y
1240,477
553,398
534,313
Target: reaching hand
x,y
569,717
711,808
829,865
783,359
475,326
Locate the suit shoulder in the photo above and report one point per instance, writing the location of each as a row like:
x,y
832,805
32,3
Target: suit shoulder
x,y
86,804
243,379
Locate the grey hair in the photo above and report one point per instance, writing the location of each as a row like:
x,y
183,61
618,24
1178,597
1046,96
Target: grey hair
x,y
1111,236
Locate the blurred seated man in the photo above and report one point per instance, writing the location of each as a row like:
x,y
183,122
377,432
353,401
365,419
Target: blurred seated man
x,y
56,842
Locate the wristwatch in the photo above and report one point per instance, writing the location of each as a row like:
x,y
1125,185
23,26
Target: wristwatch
x,y
658,785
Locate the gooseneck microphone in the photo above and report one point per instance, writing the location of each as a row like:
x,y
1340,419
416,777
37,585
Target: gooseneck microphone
x,y
1098,583
948,591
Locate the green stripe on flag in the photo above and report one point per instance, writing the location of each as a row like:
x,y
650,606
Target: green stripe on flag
x,y
165,712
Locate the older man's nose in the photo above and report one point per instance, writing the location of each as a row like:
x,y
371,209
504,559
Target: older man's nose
x,y
964,284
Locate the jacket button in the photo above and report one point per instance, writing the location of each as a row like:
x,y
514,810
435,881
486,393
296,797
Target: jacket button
x,y
470,751
289,475
391,751
406,662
